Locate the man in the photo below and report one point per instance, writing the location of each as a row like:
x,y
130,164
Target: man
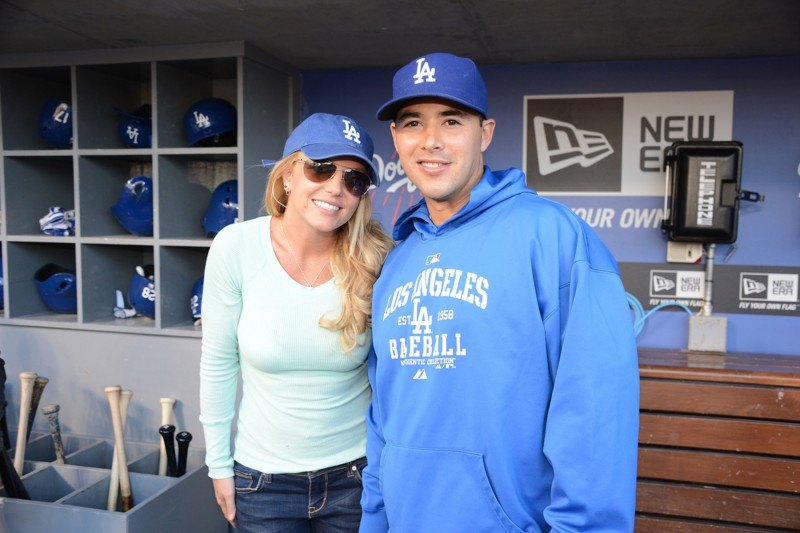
x,y
504,368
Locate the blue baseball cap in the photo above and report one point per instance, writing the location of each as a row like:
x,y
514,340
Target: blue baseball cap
x,y
437,75
325,136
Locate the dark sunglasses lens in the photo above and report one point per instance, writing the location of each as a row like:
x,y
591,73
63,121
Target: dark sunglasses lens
x,y
319,171
356,182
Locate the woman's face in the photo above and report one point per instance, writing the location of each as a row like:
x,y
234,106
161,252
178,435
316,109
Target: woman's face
x,y
325,206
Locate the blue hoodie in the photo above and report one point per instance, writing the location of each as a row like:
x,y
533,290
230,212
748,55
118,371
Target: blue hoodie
x,y
504,373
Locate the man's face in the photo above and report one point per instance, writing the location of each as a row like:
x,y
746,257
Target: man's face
x,y
441,149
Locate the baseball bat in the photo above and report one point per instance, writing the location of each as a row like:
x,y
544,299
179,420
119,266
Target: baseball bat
x,y
4,428
183,438
51,412
167,405
113,394
11,481
26,393
168,436
4,404
113,482
38,389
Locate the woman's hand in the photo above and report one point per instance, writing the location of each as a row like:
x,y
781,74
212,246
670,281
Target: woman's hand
x,y
225,493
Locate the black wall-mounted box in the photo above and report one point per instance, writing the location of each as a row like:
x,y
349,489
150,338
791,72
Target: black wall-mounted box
x,y
703,187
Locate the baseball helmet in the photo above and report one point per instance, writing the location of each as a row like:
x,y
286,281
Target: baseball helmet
x,y
135,129
142,292
196,302
55,123
134,208
58,288
58,222
210,122
222,209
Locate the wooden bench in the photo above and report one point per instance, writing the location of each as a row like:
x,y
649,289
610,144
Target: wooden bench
x,y
719,443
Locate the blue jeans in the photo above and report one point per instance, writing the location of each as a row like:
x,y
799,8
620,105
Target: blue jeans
x,y
323,501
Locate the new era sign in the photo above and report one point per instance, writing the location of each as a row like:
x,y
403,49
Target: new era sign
x,y
615,143
676,284
768,287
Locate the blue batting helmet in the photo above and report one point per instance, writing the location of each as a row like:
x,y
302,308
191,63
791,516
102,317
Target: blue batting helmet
x,y
196,302
58,288
135,129
134,208
222,209
55,123
142,292
211,122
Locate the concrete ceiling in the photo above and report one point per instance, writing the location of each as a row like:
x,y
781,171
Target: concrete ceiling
x,y
334,34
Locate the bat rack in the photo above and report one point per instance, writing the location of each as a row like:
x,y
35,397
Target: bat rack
x,y
72,497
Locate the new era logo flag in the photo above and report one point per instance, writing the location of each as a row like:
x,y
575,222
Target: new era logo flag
x,y
574,144
560,144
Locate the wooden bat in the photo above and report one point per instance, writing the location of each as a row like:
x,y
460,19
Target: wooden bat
x,y
183,438
51,412
167,406
26,393
113,483
168,436
38,389
113,394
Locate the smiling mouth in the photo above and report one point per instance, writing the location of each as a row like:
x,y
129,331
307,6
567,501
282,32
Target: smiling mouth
x,y
326,206
431,165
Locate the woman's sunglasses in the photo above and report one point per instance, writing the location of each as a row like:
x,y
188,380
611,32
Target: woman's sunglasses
x,y
356,182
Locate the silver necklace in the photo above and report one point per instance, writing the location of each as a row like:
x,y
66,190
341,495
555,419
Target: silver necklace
x,y
310,285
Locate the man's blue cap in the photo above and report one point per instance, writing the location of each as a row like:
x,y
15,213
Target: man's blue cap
x,y
437,76
326,136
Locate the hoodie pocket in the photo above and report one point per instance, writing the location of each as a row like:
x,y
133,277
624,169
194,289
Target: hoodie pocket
x,y
440,490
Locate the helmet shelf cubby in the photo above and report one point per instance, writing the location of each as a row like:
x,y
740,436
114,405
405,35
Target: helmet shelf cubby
x,y
26,301
186,189
34,184
101,187
110,100
199,94
25,94
108,268
181,268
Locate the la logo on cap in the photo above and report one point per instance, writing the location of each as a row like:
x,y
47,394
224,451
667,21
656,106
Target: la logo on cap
x,y
425,71
350,132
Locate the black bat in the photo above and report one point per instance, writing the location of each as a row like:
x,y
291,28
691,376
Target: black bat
x,y
4,427
11,481
167,432
4,404
38,388
183,438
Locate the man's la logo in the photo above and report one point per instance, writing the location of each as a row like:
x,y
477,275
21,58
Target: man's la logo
x,y
350,132
425,71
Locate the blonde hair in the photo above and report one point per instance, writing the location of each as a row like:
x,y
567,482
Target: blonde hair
x,y
361,247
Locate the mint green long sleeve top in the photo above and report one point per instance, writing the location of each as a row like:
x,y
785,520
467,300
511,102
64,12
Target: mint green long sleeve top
x,y
303,399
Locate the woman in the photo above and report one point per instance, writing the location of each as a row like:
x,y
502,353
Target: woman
x,y
287,301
